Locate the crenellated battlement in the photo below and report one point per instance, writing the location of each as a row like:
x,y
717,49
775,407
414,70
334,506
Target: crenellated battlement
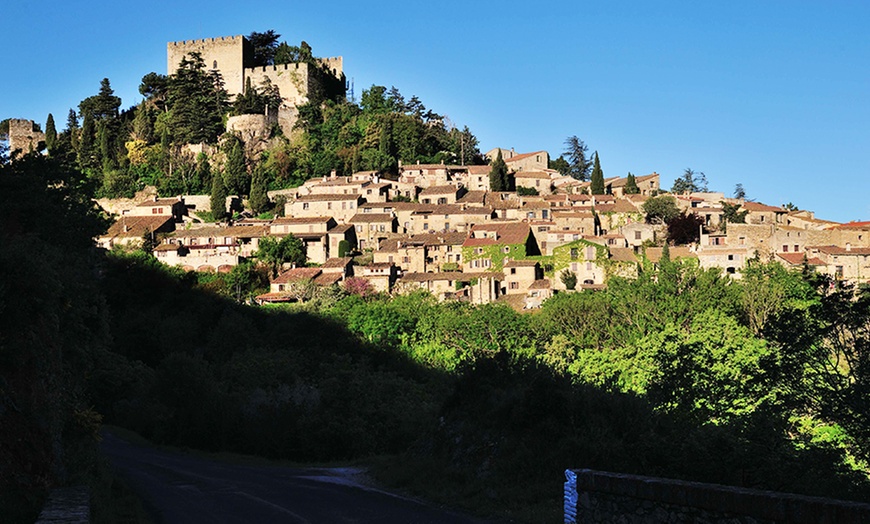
x,y
207,41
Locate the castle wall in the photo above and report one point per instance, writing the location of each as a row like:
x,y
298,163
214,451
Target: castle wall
x,y
22,137
227,54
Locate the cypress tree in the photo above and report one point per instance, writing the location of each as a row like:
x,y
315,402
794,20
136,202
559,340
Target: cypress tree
x,y
596,186
631,186
259,200
202,176
50,133
235,173
218,198
498,174
72,128
87,150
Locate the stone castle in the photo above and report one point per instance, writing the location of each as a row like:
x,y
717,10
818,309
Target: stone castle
x,y
232,57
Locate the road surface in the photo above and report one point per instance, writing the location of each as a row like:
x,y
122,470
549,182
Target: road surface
x,y
181,488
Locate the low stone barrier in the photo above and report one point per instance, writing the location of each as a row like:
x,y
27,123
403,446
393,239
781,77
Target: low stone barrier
x,y
67,506
602,497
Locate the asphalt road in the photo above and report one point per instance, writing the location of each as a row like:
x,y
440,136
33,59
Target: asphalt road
x,y
182,488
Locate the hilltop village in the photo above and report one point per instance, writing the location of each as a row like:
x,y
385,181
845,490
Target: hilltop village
x,y
443,227
439,228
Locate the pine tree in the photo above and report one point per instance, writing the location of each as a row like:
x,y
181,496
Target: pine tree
x,y
631,186
202,175
498,174
72,128
259,200
50,133
596,187
218,198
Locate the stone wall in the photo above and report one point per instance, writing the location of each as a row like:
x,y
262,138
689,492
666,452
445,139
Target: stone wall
x,y
601,497
67,506
22,137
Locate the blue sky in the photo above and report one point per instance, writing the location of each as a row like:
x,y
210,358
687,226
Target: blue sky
x,y
771,94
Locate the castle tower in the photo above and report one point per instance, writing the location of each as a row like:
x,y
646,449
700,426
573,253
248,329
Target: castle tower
x,y
227,54
23,138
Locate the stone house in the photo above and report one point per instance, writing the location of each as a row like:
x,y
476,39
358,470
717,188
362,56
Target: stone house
x,y
489,246
381,275
371,228
446,194
540,181
847,263
519,275
341,207
314,232
130,230
763,214
164,207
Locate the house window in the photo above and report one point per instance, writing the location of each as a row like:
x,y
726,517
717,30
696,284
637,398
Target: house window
x,y
545,214
785,248
382,228
280,287
425,225
742,241
446,226
730,257
637,235
214,64
390,259
796,248
574,253
588,266
506,250
359,228
305,205
329,205
530,214
515,285
513,271
590,253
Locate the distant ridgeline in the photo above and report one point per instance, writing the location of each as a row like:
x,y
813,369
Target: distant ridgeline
x,y
233,58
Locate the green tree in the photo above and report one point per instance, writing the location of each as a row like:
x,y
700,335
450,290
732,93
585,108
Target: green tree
x,y
236,171
561,165
684,228
631,186
690,182
264,47
739,192
569,278
88,153
218,198
50,134
498,173
102,106
197,102
578,164
597,185
274,252
731,214
259,199
661,209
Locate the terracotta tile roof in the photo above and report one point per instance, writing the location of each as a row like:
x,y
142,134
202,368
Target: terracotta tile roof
x,y
297,274
431,277
398,206
622,254
135,226
275,297
426,167
159,202
167,247
300,220
478,170
507,232
452,238
378,265
543,283
852,225
759,207
532,174
840,251
326,198
517,158
439,190
366,218
340,229
473,197
327,279
521,263
797,259
336,263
